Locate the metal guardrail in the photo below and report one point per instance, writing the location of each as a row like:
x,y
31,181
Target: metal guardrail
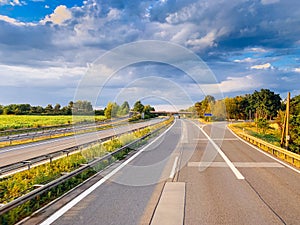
x,y
281,153
40,190
31,161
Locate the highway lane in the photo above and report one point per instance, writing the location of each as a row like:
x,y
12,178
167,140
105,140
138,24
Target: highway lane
x,y
264,191
268,194
124,197
19,153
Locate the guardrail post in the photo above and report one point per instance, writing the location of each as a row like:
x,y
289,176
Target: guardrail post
x,y
28,164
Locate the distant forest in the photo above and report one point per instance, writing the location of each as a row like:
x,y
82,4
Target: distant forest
x,y
78,107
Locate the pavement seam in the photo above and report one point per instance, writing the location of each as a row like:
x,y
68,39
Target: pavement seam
x,y
152,216
262,199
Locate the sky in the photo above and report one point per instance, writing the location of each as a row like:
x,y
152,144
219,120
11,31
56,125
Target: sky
x,y
47,47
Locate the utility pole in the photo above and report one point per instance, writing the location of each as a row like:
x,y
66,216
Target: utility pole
x,y
287,137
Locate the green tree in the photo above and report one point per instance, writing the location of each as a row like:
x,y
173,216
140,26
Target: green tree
x,y
49,109
36,110
295,105
81,107
57,109
138,107
266,103
205,106
147,111
218,110
295,124
124,109
111,110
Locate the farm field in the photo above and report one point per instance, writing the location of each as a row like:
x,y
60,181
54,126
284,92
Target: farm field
x,y
10,122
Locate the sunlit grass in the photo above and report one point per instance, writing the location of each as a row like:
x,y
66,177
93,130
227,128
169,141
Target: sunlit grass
x,y
10,122
271,135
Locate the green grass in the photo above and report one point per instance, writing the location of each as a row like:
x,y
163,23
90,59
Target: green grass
x,y
271,135
10,122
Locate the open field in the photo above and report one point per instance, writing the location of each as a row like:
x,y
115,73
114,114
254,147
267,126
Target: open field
x,y
9,122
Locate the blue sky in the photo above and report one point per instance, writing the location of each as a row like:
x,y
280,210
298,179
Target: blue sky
x,y
47,46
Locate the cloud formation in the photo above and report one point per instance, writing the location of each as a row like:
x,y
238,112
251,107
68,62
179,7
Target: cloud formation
x,y
59,16
261,67
239,40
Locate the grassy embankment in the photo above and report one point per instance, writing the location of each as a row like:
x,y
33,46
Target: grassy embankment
x,y
272,134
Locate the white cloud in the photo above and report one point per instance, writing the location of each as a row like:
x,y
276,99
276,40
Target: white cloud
x,y
11,2
114,14
18,76
232,84
59,16
260,50
262,66
267,2
11,20
183,15
297,70
246,60
207,41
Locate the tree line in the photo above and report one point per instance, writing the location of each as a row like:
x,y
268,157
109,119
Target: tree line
x,y
81,107
260,104
78,107
139,111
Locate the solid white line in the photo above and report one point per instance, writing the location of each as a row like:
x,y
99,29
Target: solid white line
x,y
174,167
72,203
237,164
217,139
229,163
266,154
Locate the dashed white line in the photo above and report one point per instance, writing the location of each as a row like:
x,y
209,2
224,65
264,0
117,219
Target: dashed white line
x,y
174,168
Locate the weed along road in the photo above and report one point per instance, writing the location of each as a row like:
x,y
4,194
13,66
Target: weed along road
x,y
190,174
14,154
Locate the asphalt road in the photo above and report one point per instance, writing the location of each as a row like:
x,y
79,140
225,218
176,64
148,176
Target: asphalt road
x,y
226,182
9,155
124,197
268,194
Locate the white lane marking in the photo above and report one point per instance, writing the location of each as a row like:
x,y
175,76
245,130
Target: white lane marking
x,y
207,164
217,139
237,164
174,168
266,154
237,173
76,200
